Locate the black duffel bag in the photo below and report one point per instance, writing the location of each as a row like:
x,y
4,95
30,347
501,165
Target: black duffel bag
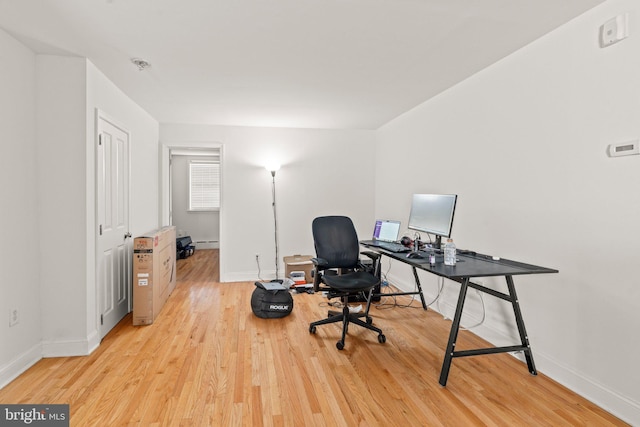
x,y
271,304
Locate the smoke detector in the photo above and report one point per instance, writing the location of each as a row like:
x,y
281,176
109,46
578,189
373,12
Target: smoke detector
x,y
140,63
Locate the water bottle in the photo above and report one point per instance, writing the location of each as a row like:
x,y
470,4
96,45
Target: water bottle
x,y
449,253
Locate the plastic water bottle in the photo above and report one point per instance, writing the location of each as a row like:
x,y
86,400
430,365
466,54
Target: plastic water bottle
x,y
449,253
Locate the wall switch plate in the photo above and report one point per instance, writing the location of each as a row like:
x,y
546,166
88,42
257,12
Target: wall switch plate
x,y
614,30
624,149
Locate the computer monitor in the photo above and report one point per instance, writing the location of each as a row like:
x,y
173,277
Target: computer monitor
x,y
433,214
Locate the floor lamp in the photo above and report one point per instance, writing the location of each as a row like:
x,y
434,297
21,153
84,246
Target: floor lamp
x,y
273,169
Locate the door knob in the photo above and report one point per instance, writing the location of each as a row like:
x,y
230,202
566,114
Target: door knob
x,y
127,235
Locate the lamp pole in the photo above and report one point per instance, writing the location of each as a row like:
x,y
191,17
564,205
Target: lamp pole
x,y
275,217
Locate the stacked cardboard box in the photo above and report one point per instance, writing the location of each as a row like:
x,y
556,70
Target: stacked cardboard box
x,y
299,264
154,273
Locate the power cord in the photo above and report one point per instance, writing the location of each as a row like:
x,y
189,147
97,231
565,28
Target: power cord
x,y
395,303
440,288
483,314
259,273
482,319
386,305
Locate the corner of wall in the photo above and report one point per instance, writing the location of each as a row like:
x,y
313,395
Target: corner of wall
x,y
20,364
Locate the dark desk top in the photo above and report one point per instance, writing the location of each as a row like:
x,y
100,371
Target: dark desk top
x,y
468,265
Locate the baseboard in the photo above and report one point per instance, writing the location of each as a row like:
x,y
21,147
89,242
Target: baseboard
x,y
618,405
609,400
71,348
247,276
13,369
93,341
24,361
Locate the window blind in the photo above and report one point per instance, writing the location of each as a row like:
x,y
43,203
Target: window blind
x,y
204,185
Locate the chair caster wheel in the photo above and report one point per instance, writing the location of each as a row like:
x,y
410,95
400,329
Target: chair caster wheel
x,y
340,345
369,321
312,329
382,339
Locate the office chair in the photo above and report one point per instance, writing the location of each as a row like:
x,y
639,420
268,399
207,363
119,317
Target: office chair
x,y
337,248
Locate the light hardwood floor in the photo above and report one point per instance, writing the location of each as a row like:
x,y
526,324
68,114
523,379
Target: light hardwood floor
x,y
208,361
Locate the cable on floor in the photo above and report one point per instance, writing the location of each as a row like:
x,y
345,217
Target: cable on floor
x,y
482,318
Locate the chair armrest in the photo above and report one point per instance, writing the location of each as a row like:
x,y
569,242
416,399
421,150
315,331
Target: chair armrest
x,y
371,254
318,265
375,258
320,262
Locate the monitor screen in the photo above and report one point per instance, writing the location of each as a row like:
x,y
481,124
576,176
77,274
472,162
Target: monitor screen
x,y
386,230
433,213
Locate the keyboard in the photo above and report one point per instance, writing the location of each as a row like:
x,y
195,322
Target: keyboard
x,y
392,247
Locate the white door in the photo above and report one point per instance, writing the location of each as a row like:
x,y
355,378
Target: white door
x,y
113,264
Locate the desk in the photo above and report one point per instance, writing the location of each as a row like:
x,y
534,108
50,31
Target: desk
x,y
472,266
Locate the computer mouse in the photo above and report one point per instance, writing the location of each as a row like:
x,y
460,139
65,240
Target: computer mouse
x,y
414,255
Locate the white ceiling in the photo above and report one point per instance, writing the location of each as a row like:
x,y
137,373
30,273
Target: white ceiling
x,y
337,64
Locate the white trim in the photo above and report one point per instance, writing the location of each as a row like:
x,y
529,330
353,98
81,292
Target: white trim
x,y
69,348
248,276
20,364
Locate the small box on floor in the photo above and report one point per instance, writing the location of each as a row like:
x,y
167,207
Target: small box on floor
x,y
298,277
299,263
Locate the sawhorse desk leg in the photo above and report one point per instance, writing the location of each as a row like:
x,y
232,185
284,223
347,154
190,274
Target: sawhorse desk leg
x,y
450,352
524,338
418,292
453,335
415,276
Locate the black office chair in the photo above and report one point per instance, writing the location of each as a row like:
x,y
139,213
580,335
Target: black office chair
x,y
337,265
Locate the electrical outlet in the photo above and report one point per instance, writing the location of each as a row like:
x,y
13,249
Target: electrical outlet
x,y
13,317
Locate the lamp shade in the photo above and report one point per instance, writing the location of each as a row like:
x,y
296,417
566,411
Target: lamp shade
x,y
272,167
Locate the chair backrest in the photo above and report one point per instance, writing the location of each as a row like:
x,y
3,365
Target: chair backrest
x,y
336,241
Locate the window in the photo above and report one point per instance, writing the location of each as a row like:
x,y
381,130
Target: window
x,y
204,185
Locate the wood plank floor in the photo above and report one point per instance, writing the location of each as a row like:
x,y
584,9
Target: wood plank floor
x,y
208,361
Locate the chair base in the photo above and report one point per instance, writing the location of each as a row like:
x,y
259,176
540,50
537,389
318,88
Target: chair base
x,y
347,317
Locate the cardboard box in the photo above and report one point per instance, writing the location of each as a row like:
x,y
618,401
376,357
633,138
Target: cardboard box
x,y
154,273
299,263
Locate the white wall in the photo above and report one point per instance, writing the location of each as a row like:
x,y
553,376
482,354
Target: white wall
x,y
102,94
70,89
19,254
323,172
523,143
143,129
48,191
62,199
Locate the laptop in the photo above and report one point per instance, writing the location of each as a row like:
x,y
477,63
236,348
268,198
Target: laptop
x,y
385,235
386,230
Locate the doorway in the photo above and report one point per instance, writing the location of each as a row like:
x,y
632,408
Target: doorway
x,y
203,226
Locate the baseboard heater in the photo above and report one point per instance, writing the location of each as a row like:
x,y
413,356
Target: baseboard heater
x,y
206,244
